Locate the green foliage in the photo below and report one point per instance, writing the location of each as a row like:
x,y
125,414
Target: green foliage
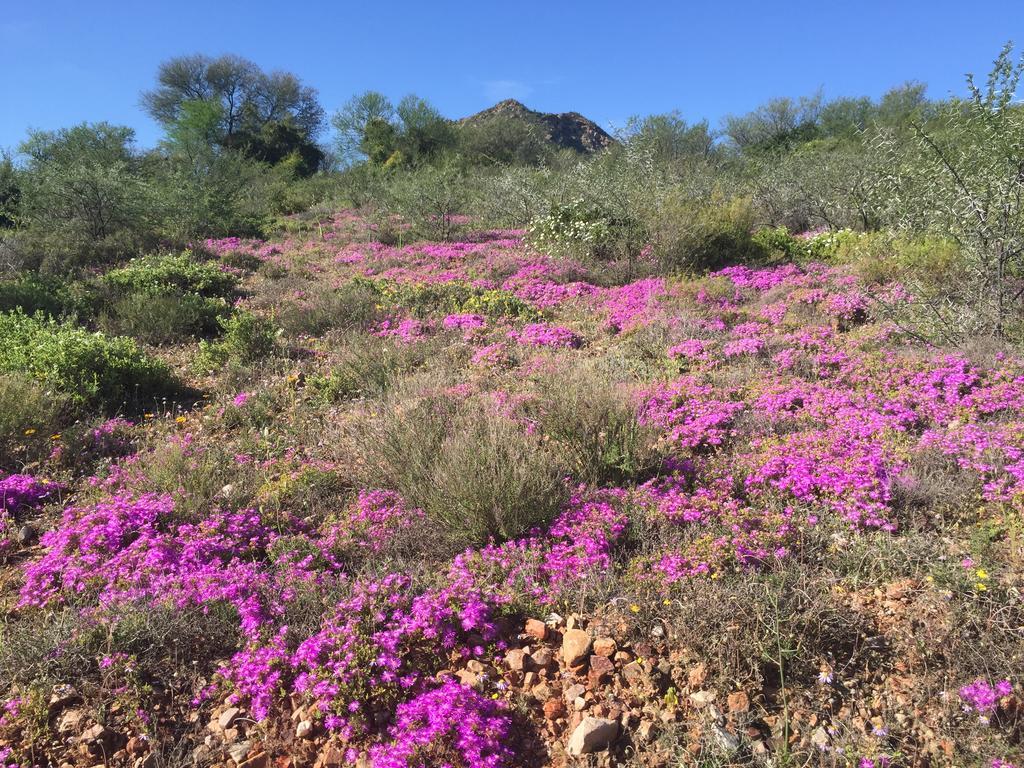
x,y
474,473
428,299
177,273
90,368
367,367
245,339
84,194
958,175
699,235
156,318
28,416
51,296
502,140
10,192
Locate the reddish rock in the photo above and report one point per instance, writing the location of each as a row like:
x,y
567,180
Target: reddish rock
x,y
575,647
554,708
536,629
604,646
600,668
738,701
515,659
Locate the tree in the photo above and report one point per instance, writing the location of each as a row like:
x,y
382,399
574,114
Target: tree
x,y
248,97
10,192
779,123
958,173
84,190
353,120
502,140
668,137
425,132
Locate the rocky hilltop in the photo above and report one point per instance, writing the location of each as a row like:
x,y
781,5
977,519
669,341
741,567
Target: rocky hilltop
x,y
569,130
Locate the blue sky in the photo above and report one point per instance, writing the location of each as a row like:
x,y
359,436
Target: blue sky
x,y
68,61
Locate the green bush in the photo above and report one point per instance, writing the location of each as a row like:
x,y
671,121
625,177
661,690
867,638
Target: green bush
x,y
474,473
368,366
90,368
165,319
178,273
594,426
246,339
693,235
28,416
585,229
52,297
426,299
353,305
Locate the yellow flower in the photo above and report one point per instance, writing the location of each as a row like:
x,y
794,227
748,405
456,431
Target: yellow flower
x,y
55,436
634,608
180,420
30,431
147,415
980,586
981,574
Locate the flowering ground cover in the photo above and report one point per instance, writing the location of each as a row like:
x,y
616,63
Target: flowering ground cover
x,y
483,507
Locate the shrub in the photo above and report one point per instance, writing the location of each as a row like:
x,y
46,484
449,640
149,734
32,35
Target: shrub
x,y
179,273
594,427
699,235
88,367
368,367
28,416
246,339
426,299
585,229
474,473
352,306
52,297
164,319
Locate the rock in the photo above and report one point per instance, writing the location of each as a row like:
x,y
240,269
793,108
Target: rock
x,y
554,708
70,721
258,760
536,629
634,673
475,666
702,698
304,730
726,741
238,751
575,646
467,678
697,676
819,738
738,701
647,731
227,717
542,657
147,761
600,668
541,692
604,646
27,535
331,756
592,735
515,659
573,691
136,746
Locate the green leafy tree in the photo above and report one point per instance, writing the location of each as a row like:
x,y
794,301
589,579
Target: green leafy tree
x,y
958,174
10,192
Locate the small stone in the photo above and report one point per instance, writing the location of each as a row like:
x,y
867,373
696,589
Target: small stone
x,y
541,692
819,737
473,665
579,703
633,673
529,680
227,717
604,646
467,678
573,691
304,730
647,731
575,646
238,751
258,760
727,742
542,657
331,756
536,629
27,535
738,701
69,721
697,676
600,668
702,698
592,735
515,659
136,746
554,708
